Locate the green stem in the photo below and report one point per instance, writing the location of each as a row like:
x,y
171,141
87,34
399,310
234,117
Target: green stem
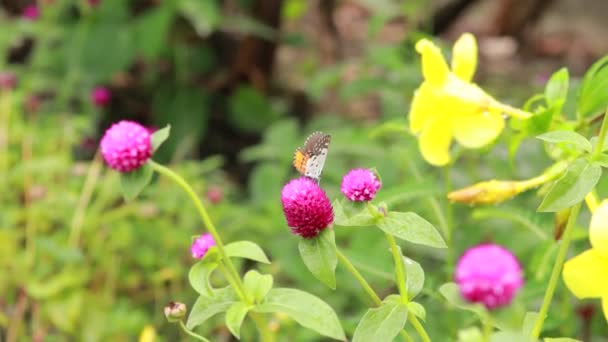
x,y
399,271
419,328
601,137
366,287
230,271
230,279
557,268
191,333
364,284
488,327
165,171
85,197
449,223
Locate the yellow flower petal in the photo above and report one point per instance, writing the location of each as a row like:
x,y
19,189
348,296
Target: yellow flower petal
x,y
434,142
475,131
598,229
464,57
434,67
424,107
586,275
605,306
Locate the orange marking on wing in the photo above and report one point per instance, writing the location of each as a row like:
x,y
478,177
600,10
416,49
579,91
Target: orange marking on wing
x,y
299,161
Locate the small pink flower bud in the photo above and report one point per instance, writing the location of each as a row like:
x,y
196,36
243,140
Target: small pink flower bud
x,y
489,274
360,185
175,311
100,96
31,12
8,80
306,207
201,245
126,146
215,194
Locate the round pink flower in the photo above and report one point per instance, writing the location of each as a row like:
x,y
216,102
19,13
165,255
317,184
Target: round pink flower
x,y
489,274
201,245
126,146
306,206
360,185
101,96
8,80
31,12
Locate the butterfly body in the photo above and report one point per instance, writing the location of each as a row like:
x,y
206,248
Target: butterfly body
x,y
310,159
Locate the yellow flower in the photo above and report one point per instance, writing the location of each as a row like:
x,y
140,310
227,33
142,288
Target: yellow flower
x,y
148,334
586,275
447,104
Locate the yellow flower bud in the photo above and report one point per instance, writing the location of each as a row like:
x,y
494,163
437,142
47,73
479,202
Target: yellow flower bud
x,y
489,192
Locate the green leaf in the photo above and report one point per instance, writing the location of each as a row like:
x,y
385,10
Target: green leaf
x,y
592,96
414,277
199,276
246,250
150,30
557,86
602,160
382,323
235,316
319,255
133,183
308,310
452,294
343,217
509,336
472,334
417,309
159,137
529,321
412,228
206,307
560,339
257,285
577,140
203,15
580,178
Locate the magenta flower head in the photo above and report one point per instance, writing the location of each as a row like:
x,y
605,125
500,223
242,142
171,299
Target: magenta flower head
x,y
307,209
360,185
31,12
201,245
126,146
489,274
100,96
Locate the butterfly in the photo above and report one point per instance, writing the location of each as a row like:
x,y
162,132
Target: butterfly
x,y
310,159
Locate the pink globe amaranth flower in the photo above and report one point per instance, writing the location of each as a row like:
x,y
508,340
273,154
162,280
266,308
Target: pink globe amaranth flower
x,y
126,146
31,12
489,274
360,185
8,80
307,209
201,245
101,96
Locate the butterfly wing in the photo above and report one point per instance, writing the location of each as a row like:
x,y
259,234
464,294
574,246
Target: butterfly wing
x,y
300,159
316,147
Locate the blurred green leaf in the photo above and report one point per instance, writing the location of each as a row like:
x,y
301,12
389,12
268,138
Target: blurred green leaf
x,y
132,183
206,307
414,277
319,255
411,227
592,97
346,216
569,137
150,30
382,323
451,293
159,137
235,316
199,277
308,310
246,249
205,15
250,110
257,285
579,179
557,86
417,309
